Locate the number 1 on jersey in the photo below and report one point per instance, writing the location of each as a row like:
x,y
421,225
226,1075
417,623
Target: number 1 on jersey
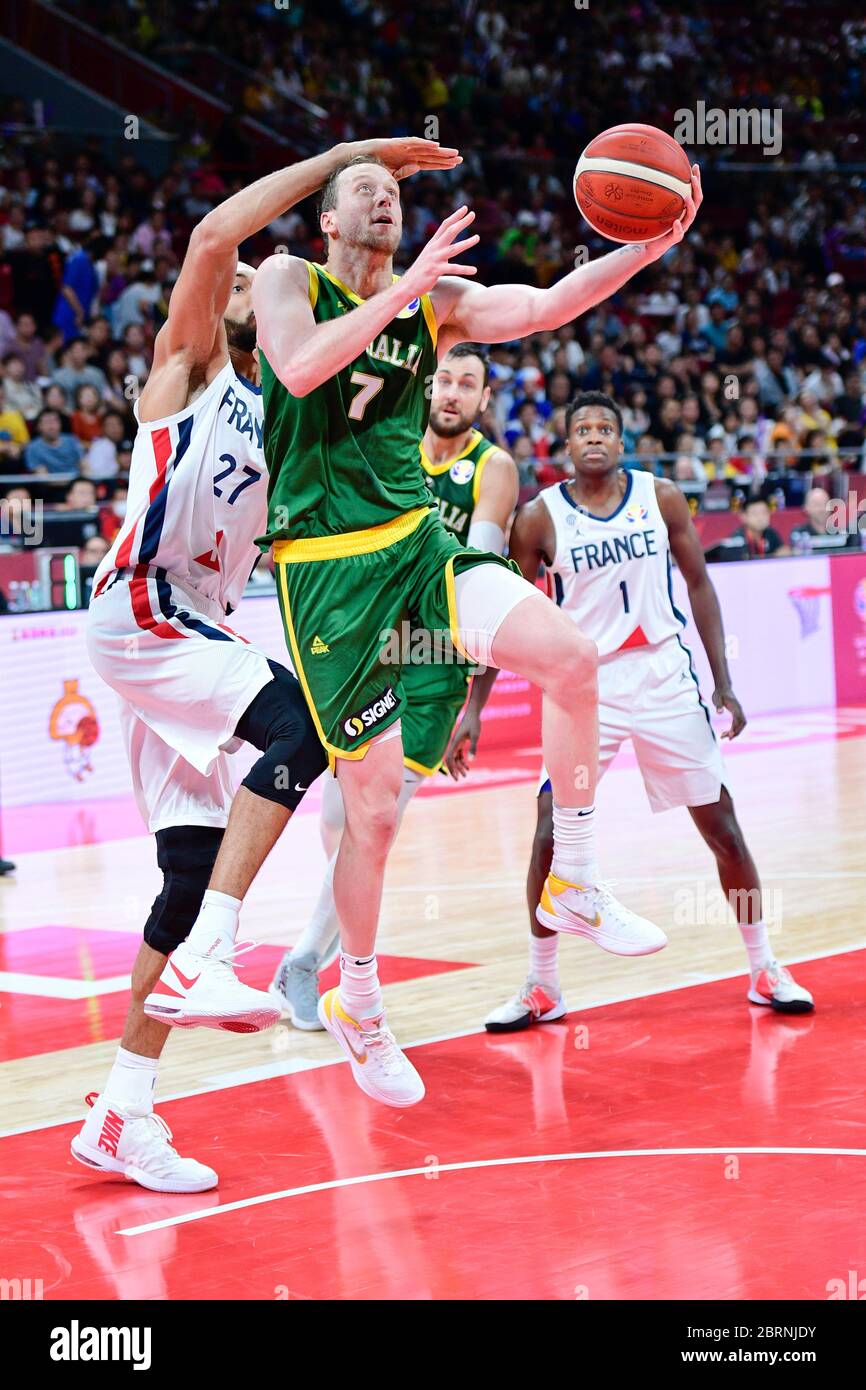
x,y
624,592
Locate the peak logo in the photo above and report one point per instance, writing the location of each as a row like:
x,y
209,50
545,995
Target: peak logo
x,y
365,720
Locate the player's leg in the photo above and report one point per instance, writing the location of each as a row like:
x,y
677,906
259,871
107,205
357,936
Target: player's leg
x,y
199,985
539,999
295,985
508,623
354,1012
121,1134
771,984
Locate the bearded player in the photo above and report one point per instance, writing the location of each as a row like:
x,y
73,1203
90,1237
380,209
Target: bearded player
x,y
346,350
190,688
607,539
475,486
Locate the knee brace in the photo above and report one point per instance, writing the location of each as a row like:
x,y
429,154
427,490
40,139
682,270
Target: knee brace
x,y
186,854
279,723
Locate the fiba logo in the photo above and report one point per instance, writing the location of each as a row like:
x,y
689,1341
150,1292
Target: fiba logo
x,y
635,513
461,471
860,600
613,191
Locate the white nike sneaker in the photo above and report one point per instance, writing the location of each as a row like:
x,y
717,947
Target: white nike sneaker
x,y
204,991
381,1070
533,1003
135,1143
592,911
775,987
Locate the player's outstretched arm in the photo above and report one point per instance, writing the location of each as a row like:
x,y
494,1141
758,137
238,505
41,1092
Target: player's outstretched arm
x,y
303,353
497,498
688,553
499,313
202,290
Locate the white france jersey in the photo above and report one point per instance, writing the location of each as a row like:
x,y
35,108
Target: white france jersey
x,y
197,493
611,574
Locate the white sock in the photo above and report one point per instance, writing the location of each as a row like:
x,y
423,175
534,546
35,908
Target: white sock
x,y
360,994
324,922
216,926
542,960
574,844
132,1080
757,944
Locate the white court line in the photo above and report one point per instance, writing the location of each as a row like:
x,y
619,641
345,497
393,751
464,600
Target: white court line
x,y
203,1213
247,1076
60,986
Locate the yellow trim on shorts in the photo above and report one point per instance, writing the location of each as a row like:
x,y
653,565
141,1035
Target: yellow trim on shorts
x,y
479,469
419,767
333,752
451,594
350,542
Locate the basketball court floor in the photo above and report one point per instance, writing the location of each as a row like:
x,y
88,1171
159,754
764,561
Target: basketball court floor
x,y
666,1140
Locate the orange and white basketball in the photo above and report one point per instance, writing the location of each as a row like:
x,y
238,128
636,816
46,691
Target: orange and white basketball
x,y
631,182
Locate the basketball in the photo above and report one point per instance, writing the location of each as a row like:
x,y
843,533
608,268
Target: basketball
x,y
631,182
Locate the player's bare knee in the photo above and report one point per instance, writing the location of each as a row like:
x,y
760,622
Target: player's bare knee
x,y
574,673
725,839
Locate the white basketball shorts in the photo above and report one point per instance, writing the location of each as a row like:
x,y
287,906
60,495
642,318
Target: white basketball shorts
x,y
184,678
651,696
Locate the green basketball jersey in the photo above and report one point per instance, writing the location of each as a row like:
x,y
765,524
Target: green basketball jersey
x,y
345,457
456,483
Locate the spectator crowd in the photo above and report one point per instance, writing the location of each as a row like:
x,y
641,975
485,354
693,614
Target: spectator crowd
x,y
739,361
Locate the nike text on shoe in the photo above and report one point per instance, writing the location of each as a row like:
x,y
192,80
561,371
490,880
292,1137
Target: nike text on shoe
x,y
295,988
776,988
592,911
382,1071
136,1145
533,1003
196,991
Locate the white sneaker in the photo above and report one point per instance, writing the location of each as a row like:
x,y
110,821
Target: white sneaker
x,y
135,1143
775,987
381,1070
533,1003
592,911
204,991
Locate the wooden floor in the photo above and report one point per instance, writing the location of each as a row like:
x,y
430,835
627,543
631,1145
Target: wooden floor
x,y
455,896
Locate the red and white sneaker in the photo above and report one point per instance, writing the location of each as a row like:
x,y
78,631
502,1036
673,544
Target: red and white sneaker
x,y
196,991
381,1069
136,1144
776,988
592,911
533,1003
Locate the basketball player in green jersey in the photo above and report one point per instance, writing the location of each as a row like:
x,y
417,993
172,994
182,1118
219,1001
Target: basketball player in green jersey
x,y
346,352
475,486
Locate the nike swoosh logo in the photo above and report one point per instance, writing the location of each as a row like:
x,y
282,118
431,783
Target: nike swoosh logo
x,y
358,1056
187,984
299,788
590,921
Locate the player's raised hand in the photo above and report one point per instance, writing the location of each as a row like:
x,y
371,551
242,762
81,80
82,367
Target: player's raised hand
x,y
657,248
436,259
724,698
408,155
